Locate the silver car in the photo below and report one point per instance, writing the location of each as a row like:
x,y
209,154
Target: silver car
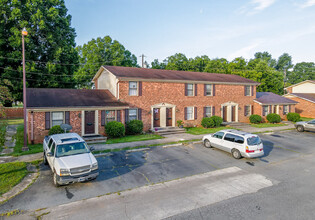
x,y
305,125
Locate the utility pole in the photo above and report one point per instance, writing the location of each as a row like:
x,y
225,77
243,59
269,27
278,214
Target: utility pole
x,y
24,148
142,56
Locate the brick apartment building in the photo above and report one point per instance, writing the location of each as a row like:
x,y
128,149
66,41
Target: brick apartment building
x,y
157,97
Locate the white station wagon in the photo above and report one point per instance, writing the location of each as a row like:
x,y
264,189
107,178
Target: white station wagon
x,y
239,143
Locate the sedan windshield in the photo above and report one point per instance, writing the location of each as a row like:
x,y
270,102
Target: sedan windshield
x,y
253,141
71,149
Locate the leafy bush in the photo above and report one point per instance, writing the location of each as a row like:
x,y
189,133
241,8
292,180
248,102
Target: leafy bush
x,y
115,129
56,130
255,119
134,127
179,123
207,122
293,117
3,132
273,118
217,120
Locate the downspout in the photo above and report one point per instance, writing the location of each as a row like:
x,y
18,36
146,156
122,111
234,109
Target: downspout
x,y
32,127
117,89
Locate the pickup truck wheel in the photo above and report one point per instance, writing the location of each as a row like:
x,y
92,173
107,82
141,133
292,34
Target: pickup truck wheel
x,y
45,159
236,154
300,128
207,143
55,180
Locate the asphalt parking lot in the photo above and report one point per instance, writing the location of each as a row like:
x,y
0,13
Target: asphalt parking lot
x,y
126,170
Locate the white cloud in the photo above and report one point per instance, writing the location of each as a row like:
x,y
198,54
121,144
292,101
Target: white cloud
x,y
308,3
255,6
246,51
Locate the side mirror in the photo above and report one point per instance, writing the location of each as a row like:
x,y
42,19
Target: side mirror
x,y
92,149
49,154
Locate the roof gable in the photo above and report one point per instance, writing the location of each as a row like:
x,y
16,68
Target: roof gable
x,y
297,84
173,75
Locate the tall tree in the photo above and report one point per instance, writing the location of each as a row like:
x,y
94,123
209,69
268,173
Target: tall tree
x,y
267,57
217,66
50,45
177,61
198,64
301,72
284,62
155,64
98,52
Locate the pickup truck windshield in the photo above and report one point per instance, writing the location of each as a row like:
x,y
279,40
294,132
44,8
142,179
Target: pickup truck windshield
x,y
71,149
253,141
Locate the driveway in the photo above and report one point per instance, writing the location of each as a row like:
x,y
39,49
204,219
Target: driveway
x,y
122,170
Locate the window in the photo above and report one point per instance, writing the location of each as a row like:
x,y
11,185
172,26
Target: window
x,y
52,149
247,90
265,110
247,110
239,140
190,89
253,141
133,114
218,135
229,137
190,113
208,89
285,109
110,116
133,88
208,112
56,118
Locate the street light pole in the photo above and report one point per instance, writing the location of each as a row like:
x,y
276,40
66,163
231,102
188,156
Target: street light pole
x,y
24,148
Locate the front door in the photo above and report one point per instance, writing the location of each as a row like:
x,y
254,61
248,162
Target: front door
x,y
233,113
156,117
169,119
224,113
89,122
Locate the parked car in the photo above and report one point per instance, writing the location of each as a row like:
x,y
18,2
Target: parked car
x,y
305,125
69,158
239,143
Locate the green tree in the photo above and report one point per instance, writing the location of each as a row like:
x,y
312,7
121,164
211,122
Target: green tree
x,y
177,61
155,64
267,57
301,72
50,42
98,52
284,62
217,66
198,64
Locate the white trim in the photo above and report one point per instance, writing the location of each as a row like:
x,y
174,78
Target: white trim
x,y
163,106
76,109
274,103
229,110
306,81
211,107
137,93
298,97
193,113
82,122
250,110
96,122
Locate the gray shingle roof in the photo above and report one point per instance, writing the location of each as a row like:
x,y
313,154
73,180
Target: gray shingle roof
x,y
271,98
45,98
308,96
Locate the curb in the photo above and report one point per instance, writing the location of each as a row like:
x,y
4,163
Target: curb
x,y
27,181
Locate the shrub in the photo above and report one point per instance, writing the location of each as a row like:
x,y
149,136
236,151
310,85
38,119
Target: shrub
x,y
293,117
217,120
179,123
56,130
207,122
273,118
134,127
255,119
115,129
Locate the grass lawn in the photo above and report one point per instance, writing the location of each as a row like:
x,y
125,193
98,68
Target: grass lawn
x,y
306,119
267,125
33,148
198,130
16,121
2,135
132,138
11,174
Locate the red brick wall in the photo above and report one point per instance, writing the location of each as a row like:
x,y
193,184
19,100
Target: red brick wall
x,y
39,131
289,90
304,108
13,113
174,93
258,111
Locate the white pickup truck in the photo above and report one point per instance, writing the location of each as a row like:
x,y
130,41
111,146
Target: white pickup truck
x,y
69,158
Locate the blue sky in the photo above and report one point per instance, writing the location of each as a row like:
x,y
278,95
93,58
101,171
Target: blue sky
x,y
216,28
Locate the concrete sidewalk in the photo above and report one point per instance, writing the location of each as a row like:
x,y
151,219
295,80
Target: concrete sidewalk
x,y
248,128
160,200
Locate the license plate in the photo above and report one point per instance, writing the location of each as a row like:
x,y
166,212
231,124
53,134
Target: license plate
x,y
81,179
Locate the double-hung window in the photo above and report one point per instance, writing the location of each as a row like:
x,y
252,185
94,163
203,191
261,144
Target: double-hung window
x,y
133,88
57,118
208,88
285,109
208,112
133,114
190,113
247,110
110,116
265,109
247,90
190,89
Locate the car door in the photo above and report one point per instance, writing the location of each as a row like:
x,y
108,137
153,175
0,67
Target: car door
x,y
216,140
228,142
310,126
239,143
52,157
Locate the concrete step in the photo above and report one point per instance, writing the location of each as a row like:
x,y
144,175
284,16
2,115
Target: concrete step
x,y
169,130
94,139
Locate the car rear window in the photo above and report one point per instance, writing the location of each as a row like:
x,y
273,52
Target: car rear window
x,y
255,140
